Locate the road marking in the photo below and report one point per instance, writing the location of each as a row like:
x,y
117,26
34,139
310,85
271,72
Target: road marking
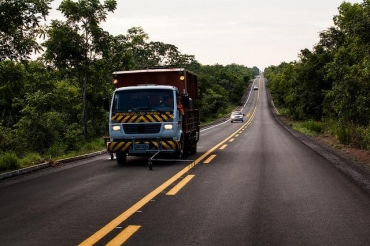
x,y
231,140
126,214
209,159
223,146
180,185
124,235
237,135
134,208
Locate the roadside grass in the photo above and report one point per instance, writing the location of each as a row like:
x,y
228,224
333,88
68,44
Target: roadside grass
x,y
310,128
10,161
341,135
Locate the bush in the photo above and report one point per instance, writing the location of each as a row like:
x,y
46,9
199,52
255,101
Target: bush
x,y
312,126
94,145
56,150
9,161
342,132
30,159
308,127
360,137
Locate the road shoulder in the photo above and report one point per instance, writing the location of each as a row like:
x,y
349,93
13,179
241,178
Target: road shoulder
x,y
352,162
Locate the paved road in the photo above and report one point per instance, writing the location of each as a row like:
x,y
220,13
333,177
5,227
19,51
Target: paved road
x,y
252,183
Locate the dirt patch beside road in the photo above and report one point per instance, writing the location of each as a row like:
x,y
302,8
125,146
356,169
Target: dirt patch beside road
x,y
359,156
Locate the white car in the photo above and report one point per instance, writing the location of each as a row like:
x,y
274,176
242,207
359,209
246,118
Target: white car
x,y
255,87
237,116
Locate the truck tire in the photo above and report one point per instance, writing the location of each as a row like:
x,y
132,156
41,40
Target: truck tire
x,y
193,149
180,152
121,158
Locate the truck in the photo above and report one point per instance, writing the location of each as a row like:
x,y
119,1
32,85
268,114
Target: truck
x,y
153,111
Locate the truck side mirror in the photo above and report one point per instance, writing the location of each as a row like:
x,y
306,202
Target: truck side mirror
x,y
185,101
106,104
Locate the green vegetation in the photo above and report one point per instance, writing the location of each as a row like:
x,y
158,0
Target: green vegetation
x,y
310,128
9,161
51,108
330,84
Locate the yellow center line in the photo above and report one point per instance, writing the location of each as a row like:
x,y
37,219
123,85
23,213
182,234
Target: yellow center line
x,y
126,214
223,146
124,235
181,184
209,159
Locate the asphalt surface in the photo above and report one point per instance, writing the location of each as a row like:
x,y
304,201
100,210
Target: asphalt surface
x,y
251,183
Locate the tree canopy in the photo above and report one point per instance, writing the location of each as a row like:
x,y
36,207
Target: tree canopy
x,y
53,105
20,27
331,82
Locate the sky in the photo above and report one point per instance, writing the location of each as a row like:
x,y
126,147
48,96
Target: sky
x,y
257,33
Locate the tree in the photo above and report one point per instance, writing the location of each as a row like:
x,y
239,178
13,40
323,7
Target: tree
x,y
12,77
64,47
83,19
20,27
350,69
311,83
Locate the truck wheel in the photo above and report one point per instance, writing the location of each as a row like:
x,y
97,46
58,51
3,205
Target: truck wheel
x,y
193,149
180,152
121,158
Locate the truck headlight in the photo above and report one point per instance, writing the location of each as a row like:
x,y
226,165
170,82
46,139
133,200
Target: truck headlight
x,y
168,126
116,128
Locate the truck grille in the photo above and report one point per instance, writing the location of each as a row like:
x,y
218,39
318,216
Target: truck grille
x,y
141,128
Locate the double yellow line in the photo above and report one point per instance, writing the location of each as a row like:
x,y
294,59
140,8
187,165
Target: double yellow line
x,y
127,232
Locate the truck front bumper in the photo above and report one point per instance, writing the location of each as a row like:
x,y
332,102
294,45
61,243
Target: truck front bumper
x,y
142,147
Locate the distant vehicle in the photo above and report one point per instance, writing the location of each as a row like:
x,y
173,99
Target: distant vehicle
x,y
237,116
255,87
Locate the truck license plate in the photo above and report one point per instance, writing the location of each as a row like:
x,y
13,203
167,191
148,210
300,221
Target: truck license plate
x,y
141,146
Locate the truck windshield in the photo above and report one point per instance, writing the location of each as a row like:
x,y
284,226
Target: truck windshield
x,y
143,100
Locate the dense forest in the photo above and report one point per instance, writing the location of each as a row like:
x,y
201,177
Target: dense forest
x,y
330,84
52,105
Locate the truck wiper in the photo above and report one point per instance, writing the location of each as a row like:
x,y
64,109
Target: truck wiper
x,y
148,108
120,110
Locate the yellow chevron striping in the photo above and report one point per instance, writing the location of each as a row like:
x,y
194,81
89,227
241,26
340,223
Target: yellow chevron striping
x,y
150,118
158,118
156,144
142,118
123,146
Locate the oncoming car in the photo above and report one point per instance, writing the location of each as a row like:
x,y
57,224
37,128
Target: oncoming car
x,y
237,116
